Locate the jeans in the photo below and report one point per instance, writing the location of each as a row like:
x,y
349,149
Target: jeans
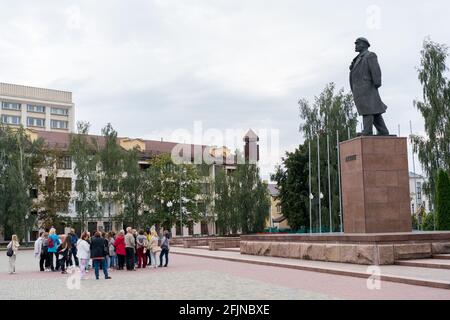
x,y
97,263
130,258
49,261
153,261
42,261
113,261
164,252
75,258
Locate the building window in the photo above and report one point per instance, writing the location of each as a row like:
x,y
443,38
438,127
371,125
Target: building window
x,y
11,106
64,184
112,186
65,163
62,206
79,185
34,108
412,208
278,208
93,185
6,119
419,191
58,124
33,193
60,111
35,122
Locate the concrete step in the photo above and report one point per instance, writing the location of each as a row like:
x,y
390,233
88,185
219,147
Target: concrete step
x,y
426,263
435,278
441,256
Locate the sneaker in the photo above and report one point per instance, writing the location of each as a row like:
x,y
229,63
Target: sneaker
x,y
165,265
63,272
108,278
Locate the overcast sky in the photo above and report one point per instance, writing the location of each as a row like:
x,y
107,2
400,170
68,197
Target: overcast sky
x,y
155,67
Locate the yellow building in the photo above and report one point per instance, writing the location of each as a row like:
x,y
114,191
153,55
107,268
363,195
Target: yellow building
x,y
277,220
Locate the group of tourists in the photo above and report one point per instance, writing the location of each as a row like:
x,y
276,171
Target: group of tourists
x,y
106,251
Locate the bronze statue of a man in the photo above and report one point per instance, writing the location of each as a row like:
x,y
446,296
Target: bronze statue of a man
x,y
365,79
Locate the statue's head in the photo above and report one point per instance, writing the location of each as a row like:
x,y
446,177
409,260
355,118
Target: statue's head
x,y
361,44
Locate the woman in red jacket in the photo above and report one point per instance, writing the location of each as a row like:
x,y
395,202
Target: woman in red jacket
x,y
119,244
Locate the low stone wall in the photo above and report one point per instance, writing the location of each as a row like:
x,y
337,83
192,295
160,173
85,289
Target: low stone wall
x,y
365,254
226,243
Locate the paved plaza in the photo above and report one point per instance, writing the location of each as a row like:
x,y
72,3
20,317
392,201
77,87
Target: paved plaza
x,y
189,277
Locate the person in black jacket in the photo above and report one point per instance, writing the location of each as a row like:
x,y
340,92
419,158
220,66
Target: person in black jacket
x,y
98,254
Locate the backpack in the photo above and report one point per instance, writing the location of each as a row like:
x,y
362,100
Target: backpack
x,y
51,243
10,251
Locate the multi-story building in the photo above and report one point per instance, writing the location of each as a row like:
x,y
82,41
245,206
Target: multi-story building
x,y
418,197
277,219
37,108
66,179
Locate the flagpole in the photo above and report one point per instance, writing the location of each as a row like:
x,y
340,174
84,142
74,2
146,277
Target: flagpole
x,y
318,183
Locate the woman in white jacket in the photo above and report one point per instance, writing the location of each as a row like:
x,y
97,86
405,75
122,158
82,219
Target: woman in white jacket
x,y
83,252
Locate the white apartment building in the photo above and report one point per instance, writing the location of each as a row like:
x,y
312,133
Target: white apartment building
x,y
418,197
37,108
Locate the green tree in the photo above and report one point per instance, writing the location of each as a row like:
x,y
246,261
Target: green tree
x,y
330,114
83,151
242,200
111,157
292,182
172,192
443,201
434,149
133,186
54,191
20,160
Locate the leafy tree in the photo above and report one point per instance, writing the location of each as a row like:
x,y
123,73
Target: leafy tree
x,y
83,151
242,201
428,222
434,149
331,113
132,188
293,186
443,201
170,189
111,156
20,160
54,192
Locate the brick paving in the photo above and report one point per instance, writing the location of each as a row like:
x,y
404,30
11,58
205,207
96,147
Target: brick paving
x,y
190,277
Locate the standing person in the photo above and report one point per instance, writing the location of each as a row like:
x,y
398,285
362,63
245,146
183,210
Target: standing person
x,y
74,251
147,252
112,250
135,234
119,244
154,248
53,243
107,257
44,253
164,249
63,253
38,250
84,253
141,245
130,245
12,250
98,255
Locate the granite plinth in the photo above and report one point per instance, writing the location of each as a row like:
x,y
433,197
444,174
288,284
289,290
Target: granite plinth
x,y
375,185
367,249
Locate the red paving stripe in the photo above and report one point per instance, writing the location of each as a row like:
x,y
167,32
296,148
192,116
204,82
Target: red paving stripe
x,y
395,279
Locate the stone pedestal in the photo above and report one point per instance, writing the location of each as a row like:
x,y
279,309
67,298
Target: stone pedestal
x,y
375,185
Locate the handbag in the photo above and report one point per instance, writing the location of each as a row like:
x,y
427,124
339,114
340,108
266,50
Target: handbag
x,y
156,249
